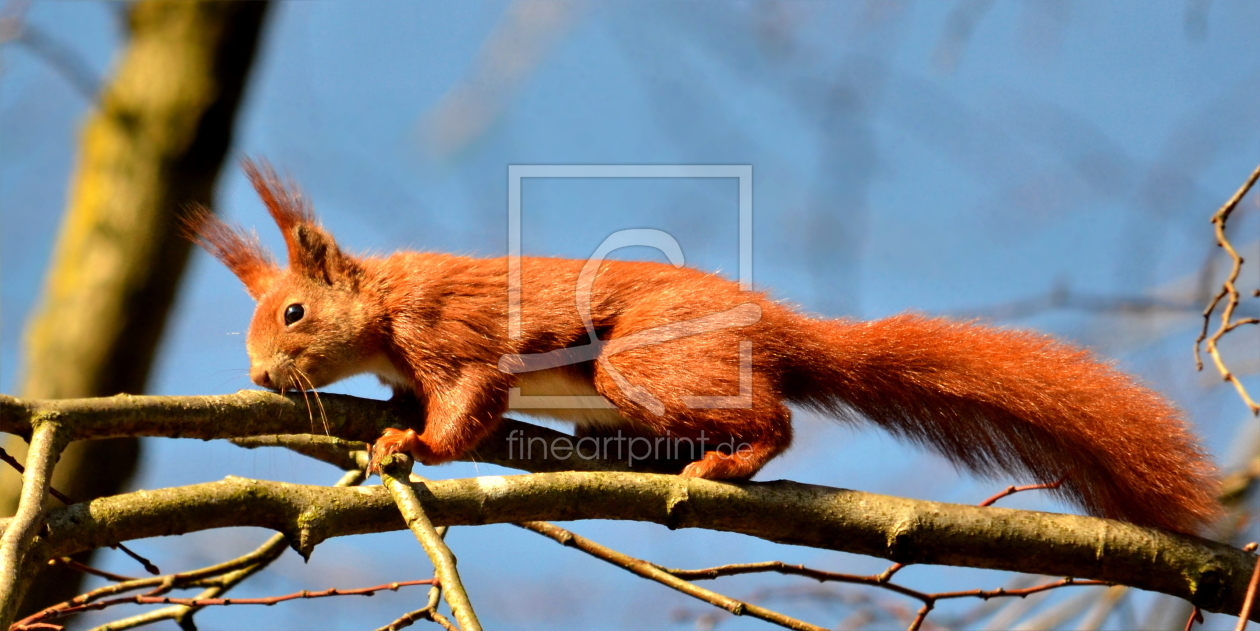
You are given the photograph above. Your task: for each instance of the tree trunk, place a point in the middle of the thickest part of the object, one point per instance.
(154, 144)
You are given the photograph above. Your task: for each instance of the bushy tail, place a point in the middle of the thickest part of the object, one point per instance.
(1000, 401)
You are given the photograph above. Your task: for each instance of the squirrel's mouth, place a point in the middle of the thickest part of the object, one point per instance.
(283, 377)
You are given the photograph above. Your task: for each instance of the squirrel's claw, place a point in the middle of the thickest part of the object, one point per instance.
(393, 441)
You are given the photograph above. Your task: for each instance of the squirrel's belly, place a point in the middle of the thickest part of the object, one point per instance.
(563, 394)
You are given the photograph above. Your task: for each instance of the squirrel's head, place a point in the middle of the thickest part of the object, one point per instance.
(311, 326)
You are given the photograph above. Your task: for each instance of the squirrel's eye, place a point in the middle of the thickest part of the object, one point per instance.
(293, 313)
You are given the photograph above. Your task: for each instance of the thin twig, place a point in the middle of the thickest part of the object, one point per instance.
(148, 565)
(182, 614)
(1245, 614)
(330, 449)
(425, 613)
(212, 602)
(662, 576)
(47, 442)
(394, 472)
(161, 584)
(220, 578)
(1230, 291)
(62, 58)
(429, 610)
(17, 466)
(1195, 616)
(884, 578)
(266, 554)
(1011, 490)
(64, 499)
(874, 580)
(87, 569)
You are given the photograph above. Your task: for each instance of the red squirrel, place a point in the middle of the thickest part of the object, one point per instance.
(682, 353)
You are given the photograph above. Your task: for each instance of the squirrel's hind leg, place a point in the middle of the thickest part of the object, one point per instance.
(741, 463)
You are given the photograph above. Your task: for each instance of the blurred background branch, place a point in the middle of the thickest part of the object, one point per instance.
(154, 144)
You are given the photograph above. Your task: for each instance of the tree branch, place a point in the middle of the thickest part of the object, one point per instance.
(652, 572)
(20, 531)
(428, 611)
(1229, 292)
(219, 578)
(394, 472)
(255, 413)
(1211, 575)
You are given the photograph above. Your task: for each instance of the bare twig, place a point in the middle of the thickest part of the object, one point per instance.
(660, 575)
(330, 449)
(1245, 614)
(1062, 297)
(63, 58)
(428, 611)
(874, 580)
(1195, 616)
(17, 466)
(1229, 293)
(145, 599)
(394, 472)
(1011, 490)
(148, 565)
(1056, 617)
(182, 614)
(161, 584)
(47, 442)
(883, 579)
(425, 613)
(64, 499)
(986, 608)
(14, 27)
(87, 569)
(887, 574)
(219, 578)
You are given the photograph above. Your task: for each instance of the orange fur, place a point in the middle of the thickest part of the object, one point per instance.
(436, 326)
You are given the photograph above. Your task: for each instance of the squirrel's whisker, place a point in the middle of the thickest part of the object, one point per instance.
(323, 415)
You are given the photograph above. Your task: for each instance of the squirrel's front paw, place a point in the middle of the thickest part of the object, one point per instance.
(395, 441)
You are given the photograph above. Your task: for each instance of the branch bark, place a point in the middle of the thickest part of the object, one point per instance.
(19, 534)
(249, 414)
(394, 472)
(1211, 575)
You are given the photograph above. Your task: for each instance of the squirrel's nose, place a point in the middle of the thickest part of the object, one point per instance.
(262, 378)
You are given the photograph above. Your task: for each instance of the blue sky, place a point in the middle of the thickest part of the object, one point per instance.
(897, 166)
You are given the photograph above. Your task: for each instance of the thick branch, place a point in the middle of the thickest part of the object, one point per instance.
(256, 413)
(1213, 576)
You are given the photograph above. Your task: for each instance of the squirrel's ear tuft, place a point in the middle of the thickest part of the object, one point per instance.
(283, 199)
(312, 251)
(239, 251)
